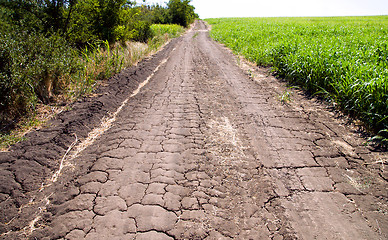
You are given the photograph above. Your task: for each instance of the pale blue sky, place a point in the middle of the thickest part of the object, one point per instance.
(283, 8)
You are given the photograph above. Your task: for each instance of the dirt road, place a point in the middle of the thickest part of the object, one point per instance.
(205, 150)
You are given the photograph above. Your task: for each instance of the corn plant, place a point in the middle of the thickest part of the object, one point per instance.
(344, 59)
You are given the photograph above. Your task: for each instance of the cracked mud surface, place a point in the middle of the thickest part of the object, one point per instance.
(203, 151)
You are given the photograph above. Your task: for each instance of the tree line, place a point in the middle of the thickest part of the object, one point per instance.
(84, 21)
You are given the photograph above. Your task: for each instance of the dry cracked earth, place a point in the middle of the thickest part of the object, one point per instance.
(189, 145)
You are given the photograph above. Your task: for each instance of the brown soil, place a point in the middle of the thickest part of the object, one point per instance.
(194, 143)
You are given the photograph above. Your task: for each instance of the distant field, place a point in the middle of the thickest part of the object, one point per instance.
(173, 30)
(343, 58)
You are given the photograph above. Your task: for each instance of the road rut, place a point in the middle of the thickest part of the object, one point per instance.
(206, 151)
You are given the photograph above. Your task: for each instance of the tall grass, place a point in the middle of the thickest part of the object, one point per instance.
(33, 68)
(163, 32)
(345, 59)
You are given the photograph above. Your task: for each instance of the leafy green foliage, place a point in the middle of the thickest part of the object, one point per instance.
(345, 59)
(178, 12)
(181, 12)
(160, 15)
(31, 67)
(86, 21)
(79, 22)
(92, 20)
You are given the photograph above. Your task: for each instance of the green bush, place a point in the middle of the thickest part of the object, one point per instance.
(31, 70)
(160, 15)
(173, 30)
(141, 31)
(133, 26)
(181, 12)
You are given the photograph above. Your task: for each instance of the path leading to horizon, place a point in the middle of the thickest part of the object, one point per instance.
(202, 150)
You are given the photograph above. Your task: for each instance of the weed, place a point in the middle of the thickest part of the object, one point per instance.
(285, 98)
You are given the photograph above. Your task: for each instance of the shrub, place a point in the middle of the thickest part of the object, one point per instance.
(141, 31)
(31, 70)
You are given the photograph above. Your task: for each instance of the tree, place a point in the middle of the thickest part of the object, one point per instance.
(39, 15)
(160, 15)
(181, 12)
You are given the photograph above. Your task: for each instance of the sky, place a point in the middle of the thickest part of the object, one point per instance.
(285, 8)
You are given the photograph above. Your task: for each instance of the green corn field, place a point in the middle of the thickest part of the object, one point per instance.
(344, 59)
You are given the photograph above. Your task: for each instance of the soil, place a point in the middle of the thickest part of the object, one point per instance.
(194, 143)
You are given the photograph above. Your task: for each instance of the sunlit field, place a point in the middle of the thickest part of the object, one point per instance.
(345, 59)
